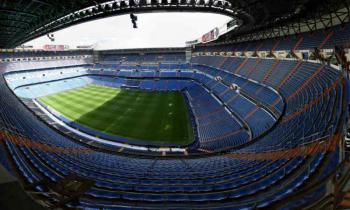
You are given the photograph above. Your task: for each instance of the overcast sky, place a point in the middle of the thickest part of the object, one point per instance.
(154, 30)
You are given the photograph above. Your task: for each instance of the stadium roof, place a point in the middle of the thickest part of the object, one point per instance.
(21, 21)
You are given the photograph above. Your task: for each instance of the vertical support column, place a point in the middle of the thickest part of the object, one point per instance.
(188, 55)
(96, 56)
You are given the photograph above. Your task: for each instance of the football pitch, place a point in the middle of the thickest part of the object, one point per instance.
(159, 117)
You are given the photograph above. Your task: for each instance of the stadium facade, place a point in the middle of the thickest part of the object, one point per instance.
(264, 107)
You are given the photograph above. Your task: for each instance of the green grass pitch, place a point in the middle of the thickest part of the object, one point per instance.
(160, 117)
